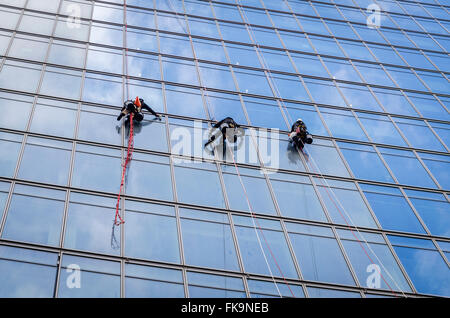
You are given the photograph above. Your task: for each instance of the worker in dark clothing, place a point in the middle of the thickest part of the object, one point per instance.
(299, 135)
(229, 130)
(136, 108)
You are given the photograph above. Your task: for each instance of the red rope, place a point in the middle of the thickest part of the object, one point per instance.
(118, 220)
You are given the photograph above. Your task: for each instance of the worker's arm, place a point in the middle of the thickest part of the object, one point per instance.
(217, 125)
(144, 105)
(121, 112)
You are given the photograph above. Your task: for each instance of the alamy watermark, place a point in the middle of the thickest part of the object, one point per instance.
(373, 20)
(249, 146)
(74, 278)
(74, 16)
(374, 278)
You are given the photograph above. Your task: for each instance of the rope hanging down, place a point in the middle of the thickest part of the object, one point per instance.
(118, 220)
(271, 80)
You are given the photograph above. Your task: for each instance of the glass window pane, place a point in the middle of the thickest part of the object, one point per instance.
(209, 50)
(54, 118)
(269, 289)
(394, 102)
(10, 105)
(214, 286)
(208, 244)
(277, 60)
(53, 157)
(343, 124)
(426, 268)
(381, 129)
(264, 113)
(106, 60)
(252, 82)
(36, 23)
(359, 97)
(216, 76)
(433, 209)
(198, 186)
(309, 65)
(365, 162)
(320, 258)
(438, 165)
(79, 31)
(418, 134)
(145, 281)
(289, 87)
(331, 293)
(142, 40)
(406, 168)
(322, 157)
(140, 18)
(20, 76)
(252, 255)
(149, 167)
(223, 105)
(184, 101)
(345, 205)
(242, 55)
(377, 252)
(35, 215)
(89, 128)
(174, 45)
(26, 273)
(180, 71)
(147, 128)
(392, 209)
(61, 83)
(428, 106)
(308, 114)
(102, 89)
(95, 279)
(306, 204)
(27, 47)
(204, 28)
(256, 190)
(324, 92)
(97, 169)
(106, 34)
(10, 145)
(150, 235)
(89, 225)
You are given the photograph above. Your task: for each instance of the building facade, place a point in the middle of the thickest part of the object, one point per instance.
(363, 212)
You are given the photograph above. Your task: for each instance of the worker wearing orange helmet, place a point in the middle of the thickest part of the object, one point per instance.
(136, 108)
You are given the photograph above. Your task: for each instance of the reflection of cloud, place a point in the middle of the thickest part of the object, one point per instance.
(105, 61)
(94, 235)
(65, 84)
(110, 35)
(147, 67)
(175, 45)
(432, 272)
(101, 91)
(171, 23)
(67, 54)
(106, 13)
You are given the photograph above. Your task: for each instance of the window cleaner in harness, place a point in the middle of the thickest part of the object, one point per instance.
(228, 129)
(135, 108)
(299, 135)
